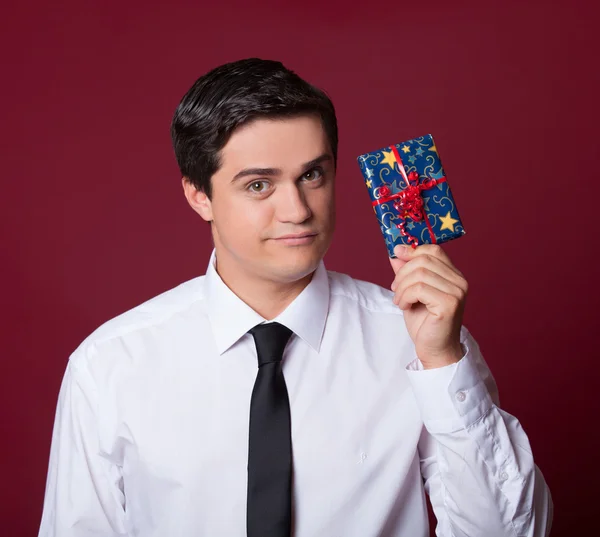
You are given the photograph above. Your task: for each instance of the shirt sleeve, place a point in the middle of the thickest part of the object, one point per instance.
(83, 496)
(475, 458)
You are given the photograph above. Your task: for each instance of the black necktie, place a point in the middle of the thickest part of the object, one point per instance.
(269, 507)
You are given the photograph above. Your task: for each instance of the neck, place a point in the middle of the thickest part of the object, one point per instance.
(268, 298)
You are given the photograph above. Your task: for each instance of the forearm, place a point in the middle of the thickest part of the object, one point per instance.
(476, 458)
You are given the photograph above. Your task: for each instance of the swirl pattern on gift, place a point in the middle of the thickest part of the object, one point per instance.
(410, 194)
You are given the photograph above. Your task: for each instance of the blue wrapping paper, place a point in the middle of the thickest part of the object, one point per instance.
(389, 190)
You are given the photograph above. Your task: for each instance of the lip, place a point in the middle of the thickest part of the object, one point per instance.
(297, 240)
(298, 236)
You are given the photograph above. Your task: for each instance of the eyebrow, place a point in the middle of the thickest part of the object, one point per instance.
(276, 171)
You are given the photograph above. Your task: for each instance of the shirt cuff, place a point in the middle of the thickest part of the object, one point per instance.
(450, 398)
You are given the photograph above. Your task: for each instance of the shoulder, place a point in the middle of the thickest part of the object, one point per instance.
(147, 316)
(364, 294)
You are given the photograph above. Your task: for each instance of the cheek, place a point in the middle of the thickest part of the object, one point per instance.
(323, 204)
(243, 218)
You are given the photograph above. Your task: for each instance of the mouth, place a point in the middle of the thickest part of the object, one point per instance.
(298, 239)
(298, 235)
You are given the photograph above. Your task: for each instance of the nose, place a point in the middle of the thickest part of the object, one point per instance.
(292, 206)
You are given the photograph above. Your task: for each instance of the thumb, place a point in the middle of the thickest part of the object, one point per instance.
(401, 252)
(396, 263)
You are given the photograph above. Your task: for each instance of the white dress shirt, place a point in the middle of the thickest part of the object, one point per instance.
(151, 430)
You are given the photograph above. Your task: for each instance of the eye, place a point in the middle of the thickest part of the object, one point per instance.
(313, 175)
(255, 187)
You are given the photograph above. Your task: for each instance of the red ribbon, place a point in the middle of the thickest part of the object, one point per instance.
(409, 202)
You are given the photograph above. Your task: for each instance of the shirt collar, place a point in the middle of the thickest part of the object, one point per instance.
(230, 317)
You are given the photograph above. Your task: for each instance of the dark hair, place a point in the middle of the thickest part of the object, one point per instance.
(233, 94)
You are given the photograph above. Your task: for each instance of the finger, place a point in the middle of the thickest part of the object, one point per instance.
(396, 263)
(424, 275)
(433, 264)
(406, 253)
(436, 301)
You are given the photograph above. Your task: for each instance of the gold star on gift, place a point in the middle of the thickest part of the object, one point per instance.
(406, 149)
(388, 158)
(448, 222)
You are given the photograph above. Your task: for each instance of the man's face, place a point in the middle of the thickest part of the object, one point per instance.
(276, 179)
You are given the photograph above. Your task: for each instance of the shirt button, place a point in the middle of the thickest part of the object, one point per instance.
(503, 476)
(461, 396)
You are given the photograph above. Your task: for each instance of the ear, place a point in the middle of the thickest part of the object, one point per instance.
(197, 199)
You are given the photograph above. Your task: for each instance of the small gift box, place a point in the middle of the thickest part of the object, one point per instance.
(410, 194)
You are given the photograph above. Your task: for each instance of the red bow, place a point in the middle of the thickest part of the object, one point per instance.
(409, 202)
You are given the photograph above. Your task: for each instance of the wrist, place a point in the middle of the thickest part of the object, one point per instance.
(449, 357)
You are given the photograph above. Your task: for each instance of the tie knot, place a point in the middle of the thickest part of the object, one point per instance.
(270, 340)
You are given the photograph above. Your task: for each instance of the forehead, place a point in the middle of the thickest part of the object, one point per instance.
(281, 143)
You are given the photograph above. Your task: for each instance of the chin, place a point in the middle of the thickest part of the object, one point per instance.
(294, 263)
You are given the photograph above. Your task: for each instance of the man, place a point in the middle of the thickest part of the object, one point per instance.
(271, 397)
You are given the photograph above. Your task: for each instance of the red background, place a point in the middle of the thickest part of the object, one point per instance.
(94, 221)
